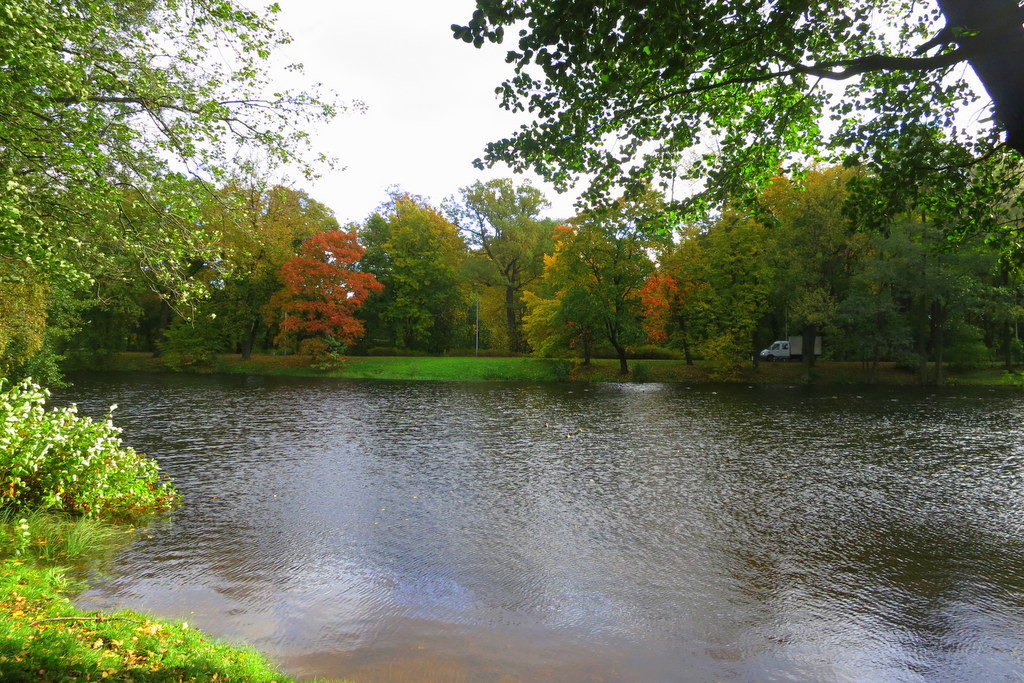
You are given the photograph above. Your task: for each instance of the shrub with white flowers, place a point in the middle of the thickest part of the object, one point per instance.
(58, 460)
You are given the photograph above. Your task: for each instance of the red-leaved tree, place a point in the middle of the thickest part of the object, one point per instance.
(669, 303)
(323, 290)
(656, 299)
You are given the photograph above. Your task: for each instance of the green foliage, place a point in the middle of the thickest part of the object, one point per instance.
(109, 115)
(547, 330)
(594, 279)
(818, 246)
(1012, 378)
(875, 321)
(192, 344)
(260, 229)
(968, 350)
(732, 261)
(727, 92)
(651, 352)
(502, 222)
(22, 317)
(327, 354)
(641, 372)
(50, 538)
(728, 352)
(58, 460)
(46, 364)
(98, 96)
(417, 254)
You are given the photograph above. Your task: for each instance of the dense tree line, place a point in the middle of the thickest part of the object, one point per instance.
(794, 263)
(415, 278)
(406, 280)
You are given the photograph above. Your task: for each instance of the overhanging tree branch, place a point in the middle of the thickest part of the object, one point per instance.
(860, 65)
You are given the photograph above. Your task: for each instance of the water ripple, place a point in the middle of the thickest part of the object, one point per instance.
(620, 532)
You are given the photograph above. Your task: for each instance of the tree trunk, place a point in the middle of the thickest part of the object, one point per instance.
(1007, 344)
(938, 339)
(612, 334)
(160, 333)
(686, 344)
(249, 340)
(516, 340)
(1006, 331)
(922, 345)
(588, 348)
(810, 333)
(621, 352)
(991, 31)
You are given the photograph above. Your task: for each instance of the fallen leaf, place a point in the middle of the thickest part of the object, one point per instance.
(149, 629)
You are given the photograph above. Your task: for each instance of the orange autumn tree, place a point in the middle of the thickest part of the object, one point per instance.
(323, 289)
(655, 297)
(668, 304)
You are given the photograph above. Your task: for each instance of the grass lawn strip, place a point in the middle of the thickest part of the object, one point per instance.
(462, 368)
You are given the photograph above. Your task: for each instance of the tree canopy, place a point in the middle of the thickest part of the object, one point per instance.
(323, 289)
(628, 91)
(99, 97)
(502, 220)
(596, 274)
(416, 253)
(118, 121)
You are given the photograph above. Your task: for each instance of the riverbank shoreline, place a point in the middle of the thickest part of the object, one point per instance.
(471, 368)
(45, 637)
(73, 495)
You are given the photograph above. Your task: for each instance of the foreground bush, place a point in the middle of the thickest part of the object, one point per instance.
(58, 460)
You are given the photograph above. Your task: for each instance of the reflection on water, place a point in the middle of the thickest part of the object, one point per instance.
(432, 531)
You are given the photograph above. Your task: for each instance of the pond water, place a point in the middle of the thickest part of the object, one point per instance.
(388, 531)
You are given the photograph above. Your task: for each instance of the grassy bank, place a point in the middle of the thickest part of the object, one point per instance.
(364, 367)
(44, 637)
(555, 370)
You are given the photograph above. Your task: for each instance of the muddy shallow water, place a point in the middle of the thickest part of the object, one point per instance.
(387, 531)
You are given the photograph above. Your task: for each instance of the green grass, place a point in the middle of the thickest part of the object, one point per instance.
(55, 538)
(44, 637)
(991, 377)
(465, 368)
(454, 368)
(462, 368)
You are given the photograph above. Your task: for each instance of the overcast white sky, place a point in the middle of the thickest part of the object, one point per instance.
(430, 99)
